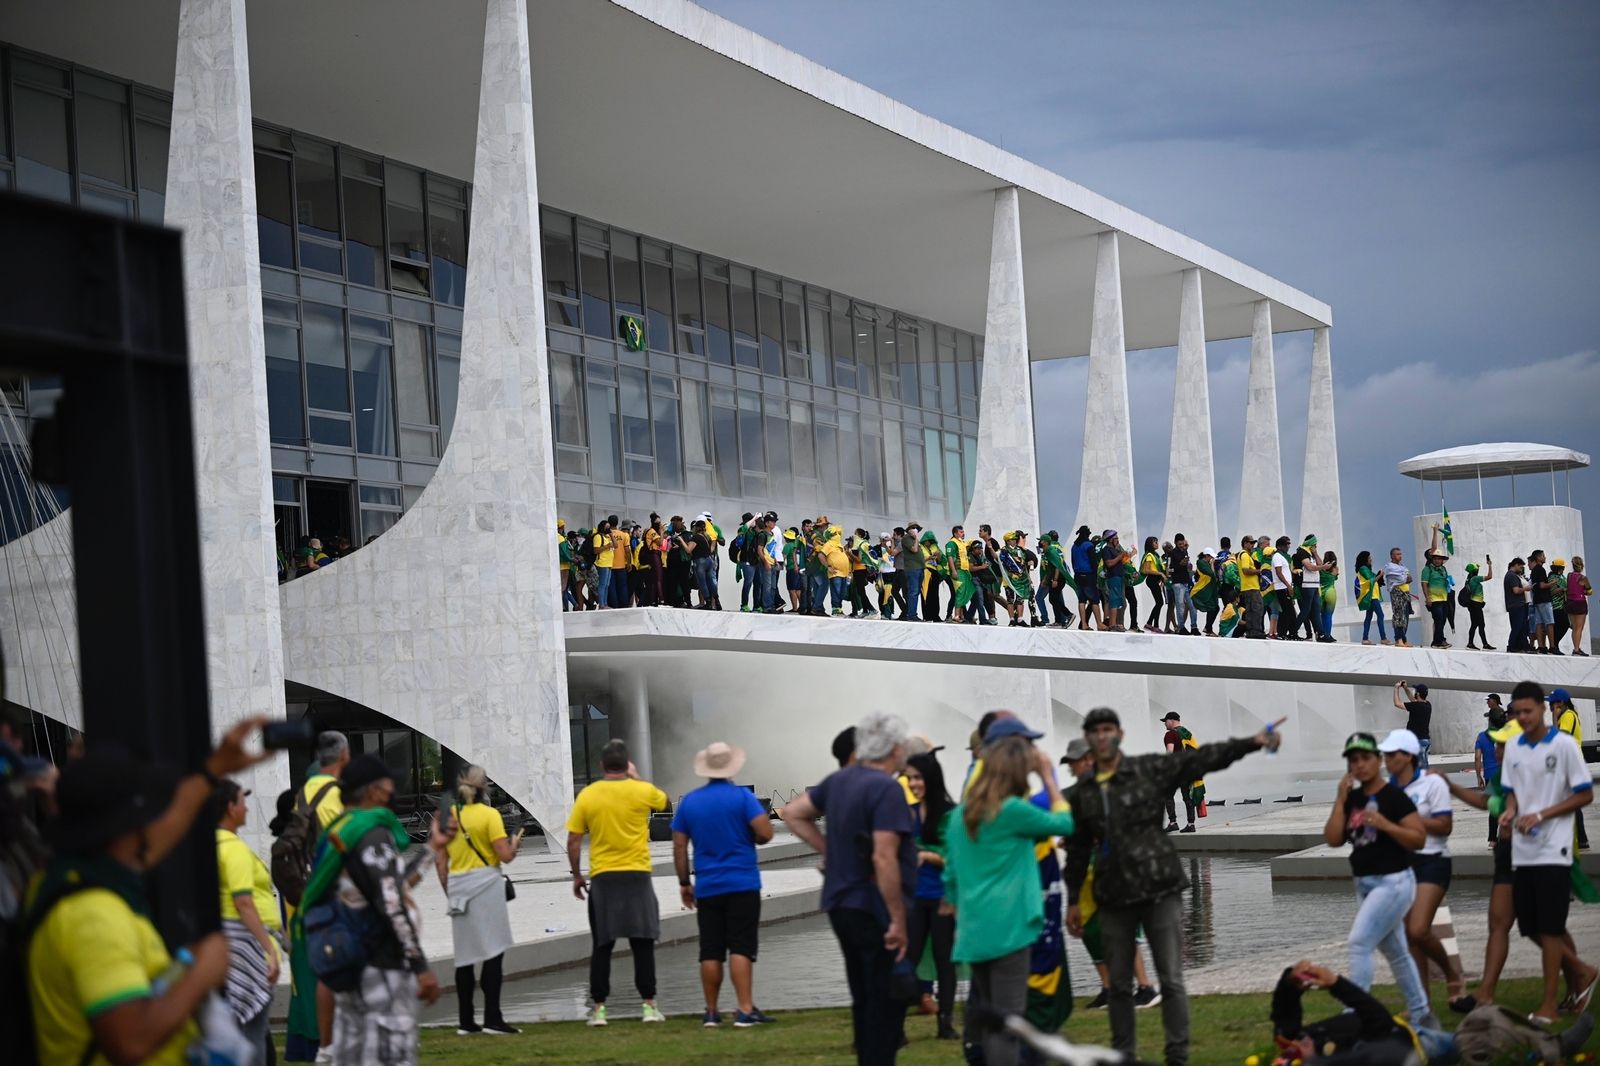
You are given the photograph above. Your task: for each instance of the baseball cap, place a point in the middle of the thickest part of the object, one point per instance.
(1108, 534)
(1010, 727)
(1401, 740)
(1360, 742)
(1422, 690)
(1172, 716)
(1558, 564)
(1560, 695)
(1077, 748)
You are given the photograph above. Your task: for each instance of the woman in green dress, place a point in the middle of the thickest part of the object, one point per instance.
(1330, 589)
(1014, 568)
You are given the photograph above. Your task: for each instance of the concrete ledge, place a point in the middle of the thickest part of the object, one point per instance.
(1322, 863)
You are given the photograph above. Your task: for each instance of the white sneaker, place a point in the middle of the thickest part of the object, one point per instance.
(652, 1014)
(597, 1017)
(324, 1054)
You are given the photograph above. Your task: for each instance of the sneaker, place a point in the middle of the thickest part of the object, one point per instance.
(760, 1017)
(652, 1013)
(711, 1020)
(1188, 828)
(499, 1028)
(597, 1017)
(741, 1020)
(469, 1029)
(324, 1054)
(1172, 827)
(1099, 1002)
(1146, 997)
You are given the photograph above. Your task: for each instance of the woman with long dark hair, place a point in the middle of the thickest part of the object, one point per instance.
(1154, 572)
(925, 778)
(1369, 597)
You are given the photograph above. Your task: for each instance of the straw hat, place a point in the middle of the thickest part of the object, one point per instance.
(718, 759)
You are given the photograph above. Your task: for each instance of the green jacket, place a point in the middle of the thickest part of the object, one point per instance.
(993, 881)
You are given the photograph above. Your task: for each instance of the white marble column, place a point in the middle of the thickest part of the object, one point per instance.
(1261, 480)
(1320, 509)
(1105, 492)
(1191, 476)
(211, 197)
(1005, 490)
(632, 709)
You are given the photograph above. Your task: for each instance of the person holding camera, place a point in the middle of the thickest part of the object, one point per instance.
(480, 925)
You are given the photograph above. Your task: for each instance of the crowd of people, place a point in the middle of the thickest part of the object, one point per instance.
(991, 870)
(1267, 588)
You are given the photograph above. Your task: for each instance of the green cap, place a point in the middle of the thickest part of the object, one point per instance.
(1360, 742)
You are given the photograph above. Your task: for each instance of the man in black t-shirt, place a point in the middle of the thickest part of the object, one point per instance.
(1515, 584)
(1419, 713)
(1542, 616)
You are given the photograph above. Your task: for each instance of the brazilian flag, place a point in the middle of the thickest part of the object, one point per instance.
(632, 330)
(1449, 535)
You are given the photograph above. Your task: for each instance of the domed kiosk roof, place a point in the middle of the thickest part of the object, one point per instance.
(1492, 460)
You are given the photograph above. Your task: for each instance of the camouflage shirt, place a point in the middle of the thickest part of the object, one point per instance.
(1119, 823)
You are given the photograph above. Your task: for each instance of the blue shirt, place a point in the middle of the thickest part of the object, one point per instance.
(860, 801)
(716, 817)
(1491, 765)
(1083, 556)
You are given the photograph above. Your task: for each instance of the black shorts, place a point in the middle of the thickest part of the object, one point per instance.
(1502, 861)
(1541, 895)
(1432, 870)
(729, 925)
(1088, 591)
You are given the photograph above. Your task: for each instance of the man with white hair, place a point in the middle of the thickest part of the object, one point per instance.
(870, 866)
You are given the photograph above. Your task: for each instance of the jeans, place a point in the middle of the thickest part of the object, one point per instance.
(1311, 611)
(877, 1021)
(766, 588)
(1375, 611)
(1440, 610)
(604, 573)
(818, 595)
(749, 575)
(840, 588)
(1163, 928)
(913, 587)
(1000, 985)
(705, 579)
(1422, 759)
(1253, 607)
(1183, 608)
(1041, 601)
(644, 969)
(620, 596)
(1381, 925)
(1519, 627)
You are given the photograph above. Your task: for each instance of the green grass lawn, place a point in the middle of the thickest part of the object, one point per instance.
(1226, 1029)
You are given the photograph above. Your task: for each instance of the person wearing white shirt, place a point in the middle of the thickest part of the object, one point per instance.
(1283, 590)
(1397, 578)
(1402, 752)
(1545, 780)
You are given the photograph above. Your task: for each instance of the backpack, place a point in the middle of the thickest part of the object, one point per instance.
(292, 851)
(1463, 599)
(339, 937)
(736, 549)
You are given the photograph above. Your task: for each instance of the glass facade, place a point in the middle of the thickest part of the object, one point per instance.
(748, 389)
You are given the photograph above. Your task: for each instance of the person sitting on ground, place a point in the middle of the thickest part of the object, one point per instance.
(94, 956)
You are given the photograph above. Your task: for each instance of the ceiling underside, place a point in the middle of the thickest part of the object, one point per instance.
(766, 159)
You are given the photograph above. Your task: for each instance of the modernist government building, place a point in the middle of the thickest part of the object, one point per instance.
(414, 235)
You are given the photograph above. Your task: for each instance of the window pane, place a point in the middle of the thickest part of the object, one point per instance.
(375, 524)
(664, 422)
(966, 379)
(695, 431)
(872, 467)
(407, 232)
(744, 306)
(152, 139)
(604, 460)
(927, 366)
(771, 309)
(916, 473)
(285, 419)
(894, 471)
(844, 360)
(382, 495)
(334, 432)
(565, 398)
(686, 277)
(326, 384)
(363, 241)
(935, 454)
(596, 292)
(102, 118)
(560, 271)
(625, 264)
(97, 199)
(725, 433)
(752, 452)
(802, 448)
(718, 343)
(952, 480)
(866, 357)
(828, 464)
(419, 443)
(449, 360)
(905, 344)
(794, 331)
(777, 432)
(413, 382)
(658, 294)
(42, 158)
(850, 448)
(947, 370)
(374, 384)
(969, 456)
(316, 195)
(636, 436)
(888, 370)
(817, 335)
(447, 240)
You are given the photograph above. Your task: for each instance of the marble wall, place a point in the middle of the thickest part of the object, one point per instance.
(1105, 491)
(451, 623)
(1261, 476)
(39, 623)
(1191, 474)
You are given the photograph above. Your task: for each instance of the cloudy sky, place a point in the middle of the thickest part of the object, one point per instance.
(1431, 170)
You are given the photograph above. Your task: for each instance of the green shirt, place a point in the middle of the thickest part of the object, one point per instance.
(993, 881)
(1437, 582)
(1475, 588)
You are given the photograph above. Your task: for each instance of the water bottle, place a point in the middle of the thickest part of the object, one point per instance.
(182, 959)
(221, 1041)
(1271, 752)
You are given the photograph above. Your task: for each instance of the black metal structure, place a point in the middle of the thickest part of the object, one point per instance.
(98, 300)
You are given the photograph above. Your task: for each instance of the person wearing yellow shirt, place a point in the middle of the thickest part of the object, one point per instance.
(249, 917)
(1567, 720)
(1250, 589)
(621, 558)
(95, 962)
(603, 550)
(614, 813)
(480, 924)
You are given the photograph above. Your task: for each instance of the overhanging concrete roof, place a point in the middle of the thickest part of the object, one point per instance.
(1492, 460)
(659, 116)
(666, 631)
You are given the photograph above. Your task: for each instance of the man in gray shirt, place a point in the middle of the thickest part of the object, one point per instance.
(908, 565)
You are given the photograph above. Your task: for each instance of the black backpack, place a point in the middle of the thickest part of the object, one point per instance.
(292, 851)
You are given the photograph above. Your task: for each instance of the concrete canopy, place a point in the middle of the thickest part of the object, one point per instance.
(1491, 460)
(658, 116)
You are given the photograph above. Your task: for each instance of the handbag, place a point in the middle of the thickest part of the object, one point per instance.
(511, 889)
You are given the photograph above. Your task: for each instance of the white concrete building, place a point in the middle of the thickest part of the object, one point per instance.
(416, 235)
